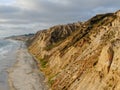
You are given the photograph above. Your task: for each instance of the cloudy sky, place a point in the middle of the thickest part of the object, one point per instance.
(27, 16)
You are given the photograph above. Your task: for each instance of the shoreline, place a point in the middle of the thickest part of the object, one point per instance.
(24, 74)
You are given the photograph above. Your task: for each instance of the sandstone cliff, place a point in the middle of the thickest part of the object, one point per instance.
(81, 56)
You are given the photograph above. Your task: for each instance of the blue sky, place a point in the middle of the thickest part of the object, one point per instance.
(27, 16)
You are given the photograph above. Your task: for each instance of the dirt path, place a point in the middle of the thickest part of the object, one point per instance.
(24, 75)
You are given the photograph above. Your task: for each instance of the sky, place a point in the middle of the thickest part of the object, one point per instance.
(28, 16)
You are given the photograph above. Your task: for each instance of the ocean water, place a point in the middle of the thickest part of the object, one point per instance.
(8, 51)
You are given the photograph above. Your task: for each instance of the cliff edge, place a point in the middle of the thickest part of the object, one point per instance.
(82, 55)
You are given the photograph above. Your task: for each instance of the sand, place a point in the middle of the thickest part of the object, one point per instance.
(24, 75)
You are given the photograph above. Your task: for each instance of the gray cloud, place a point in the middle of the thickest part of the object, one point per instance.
(24, 16)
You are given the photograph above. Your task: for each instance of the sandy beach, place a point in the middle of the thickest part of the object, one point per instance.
(24, 75)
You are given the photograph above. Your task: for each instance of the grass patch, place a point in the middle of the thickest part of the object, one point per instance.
(43, 62)
(47, 48)
(50, 82)
(51, 79)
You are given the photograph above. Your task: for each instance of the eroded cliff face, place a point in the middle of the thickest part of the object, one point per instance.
(81, 56)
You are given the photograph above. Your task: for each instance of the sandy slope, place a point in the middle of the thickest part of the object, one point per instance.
(24, 75)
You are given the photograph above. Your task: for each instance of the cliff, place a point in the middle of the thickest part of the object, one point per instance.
(80, 56)
(24, 37)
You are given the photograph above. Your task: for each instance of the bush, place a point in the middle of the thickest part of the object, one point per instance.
(49, 47)
(43, 63)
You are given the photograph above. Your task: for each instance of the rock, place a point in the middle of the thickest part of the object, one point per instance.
(81, 56)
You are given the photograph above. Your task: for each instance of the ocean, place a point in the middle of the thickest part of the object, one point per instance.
(8, 51)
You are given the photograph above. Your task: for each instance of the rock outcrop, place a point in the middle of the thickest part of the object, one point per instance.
(81, 56)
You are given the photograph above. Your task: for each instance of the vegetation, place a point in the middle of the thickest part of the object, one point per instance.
(50, 81)
(43, 62)
(79, 54)
(49, 47)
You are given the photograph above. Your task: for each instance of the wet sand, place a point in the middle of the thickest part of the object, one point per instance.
(8, 50)
(24, 75)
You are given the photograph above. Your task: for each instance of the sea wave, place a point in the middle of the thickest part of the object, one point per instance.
(8, 52)
(7, 46)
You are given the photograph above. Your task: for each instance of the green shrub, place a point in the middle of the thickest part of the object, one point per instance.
(43, 62)
(49, 47)
(50, 82)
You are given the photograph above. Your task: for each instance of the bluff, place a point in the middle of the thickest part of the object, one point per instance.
(82, 55)
(24, 37)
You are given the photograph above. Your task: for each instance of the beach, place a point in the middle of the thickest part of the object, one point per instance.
(24, 74)
(8, 52)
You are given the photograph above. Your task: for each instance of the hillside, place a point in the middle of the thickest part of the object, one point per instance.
(21, 37)
(82, 55)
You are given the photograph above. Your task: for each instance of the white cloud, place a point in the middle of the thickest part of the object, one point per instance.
(26, 4)
(24, 16)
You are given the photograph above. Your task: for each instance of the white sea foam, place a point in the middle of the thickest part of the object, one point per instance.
(8, 50)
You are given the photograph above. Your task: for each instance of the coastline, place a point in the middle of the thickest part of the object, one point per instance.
(24, 74)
